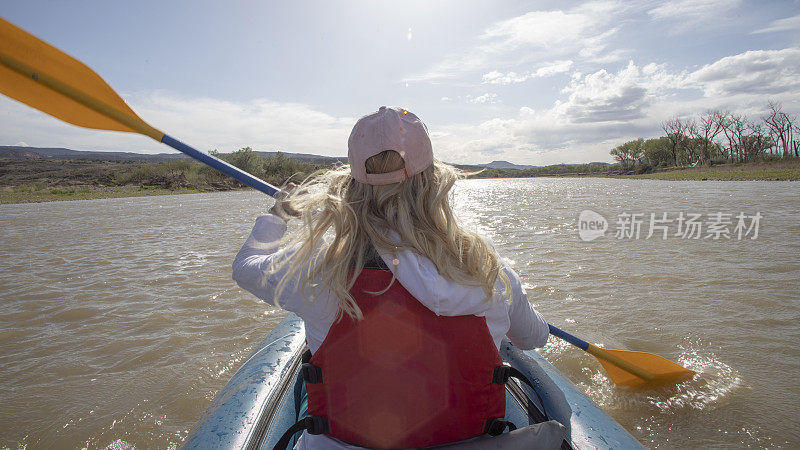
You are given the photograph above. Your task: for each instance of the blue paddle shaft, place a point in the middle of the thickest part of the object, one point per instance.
(559, 333)
(222, 166)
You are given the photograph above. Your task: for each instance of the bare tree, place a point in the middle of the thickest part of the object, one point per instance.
(690, 144)
(735, 128)
(782, 128)
(756, 141)
(722, 119)
(796, 142)
(675, 130)
(708, 126)
(779, 129)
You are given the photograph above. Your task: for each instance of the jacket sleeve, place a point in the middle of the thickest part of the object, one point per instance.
(528, 328)
(252, 269)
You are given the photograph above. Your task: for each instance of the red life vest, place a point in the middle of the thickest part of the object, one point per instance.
(404, 377)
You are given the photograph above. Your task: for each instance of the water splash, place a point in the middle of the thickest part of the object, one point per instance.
(651, 414)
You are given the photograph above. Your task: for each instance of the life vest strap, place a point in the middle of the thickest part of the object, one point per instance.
(311, 423)
(495, 427)
(503, 373)
(311, 373)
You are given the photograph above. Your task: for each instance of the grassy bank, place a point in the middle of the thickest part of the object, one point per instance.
(780, 170)
(43, 180)
(41, 193)
(767, 170)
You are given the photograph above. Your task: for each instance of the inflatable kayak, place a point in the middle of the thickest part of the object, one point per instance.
(262, 399)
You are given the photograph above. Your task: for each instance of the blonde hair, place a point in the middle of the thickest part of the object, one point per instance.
(355, 214)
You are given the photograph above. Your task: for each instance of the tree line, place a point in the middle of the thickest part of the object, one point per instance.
(272, 169)
(715, 137)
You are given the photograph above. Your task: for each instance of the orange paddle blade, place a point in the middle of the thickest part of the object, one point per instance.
(43, 77)
(663, 370)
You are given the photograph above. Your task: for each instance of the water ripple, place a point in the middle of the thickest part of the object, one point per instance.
(120, 322)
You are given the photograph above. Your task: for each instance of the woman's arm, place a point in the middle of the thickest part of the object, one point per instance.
(253, 271)
(255, 256)
(528, 328)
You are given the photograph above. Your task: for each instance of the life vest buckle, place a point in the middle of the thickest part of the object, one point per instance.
(316, 424)
(501, 374)
(311, 373)
(495, 427)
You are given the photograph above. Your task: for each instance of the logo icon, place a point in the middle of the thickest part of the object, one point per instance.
(591, 225)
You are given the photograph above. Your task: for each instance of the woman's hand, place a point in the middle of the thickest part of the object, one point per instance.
(283, 208)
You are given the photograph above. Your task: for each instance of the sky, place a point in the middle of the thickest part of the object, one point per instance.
(541, 82)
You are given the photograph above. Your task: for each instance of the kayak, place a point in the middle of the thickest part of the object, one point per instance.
(262, 399)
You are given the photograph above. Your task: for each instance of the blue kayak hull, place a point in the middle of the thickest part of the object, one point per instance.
(261, 401)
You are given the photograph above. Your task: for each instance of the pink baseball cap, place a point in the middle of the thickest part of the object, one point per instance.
(389, 128)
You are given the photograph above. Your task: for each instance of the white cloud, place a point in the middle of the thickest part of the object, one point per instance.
(686, 14)
(202, 122)
(602, 96)
(549, 69)
(533, 36)
(495, 77)
(484, 98)
(603, 109)
(786, 24)
(552, 69)
(530, 137)
(539, 29)
(757, 72)
(594, 46)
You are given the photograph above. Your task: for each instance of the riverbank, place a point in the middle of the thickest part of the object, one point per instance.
(779, 170)
(28, 180)
(39, 193)
(787, 169)
(45, 180)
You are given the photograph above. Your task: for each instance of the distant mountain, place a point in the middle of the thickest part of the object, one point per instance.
(18, 152)
(12, 151)
(505, 165)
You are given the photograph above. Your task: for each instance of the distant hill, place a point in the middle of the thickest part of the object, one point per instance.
(18, 152)
(510, 165)
(505, 165)
(12, 151)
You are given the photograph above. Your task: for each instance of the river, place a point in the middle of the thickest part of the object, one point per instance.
(119, 321)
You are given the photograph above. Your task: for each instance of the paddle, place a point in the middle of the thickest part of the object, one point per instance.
(629, 368)
(43, 77)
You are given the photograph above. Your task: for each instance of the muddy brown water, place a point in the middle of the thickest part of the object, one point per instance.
(119, 321)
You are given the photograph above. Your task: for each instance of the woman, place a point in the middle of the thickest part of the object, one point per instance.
(404, 309)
